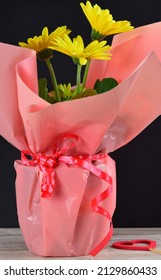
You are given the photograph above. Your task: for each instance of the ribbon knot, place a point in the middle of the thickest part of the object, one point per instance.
(48, 163)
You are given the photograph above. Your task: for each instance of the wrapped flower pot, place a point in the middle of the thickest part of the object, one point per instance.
(65, 179)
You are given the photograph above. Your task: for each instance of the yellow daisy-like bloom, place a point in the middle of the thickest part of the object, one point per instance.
(41, 43)
(79, 53)
(102, 22)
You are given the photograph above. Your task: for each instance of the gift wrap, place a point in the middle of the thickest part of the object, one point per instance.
(66, 208)
(65, 224)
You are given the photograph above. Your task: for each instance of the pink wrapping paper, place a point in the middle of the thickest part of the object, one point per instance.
(106, 121)
(64, 225)
(135, 63)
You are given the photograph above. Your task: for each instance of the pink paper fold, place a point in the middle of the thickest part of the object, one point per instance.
(27, 121)
(11, 125)
(136, 65)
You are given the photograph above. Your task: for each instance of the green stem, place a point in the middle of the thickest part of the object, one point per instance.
(78, 81)
(85, 74)
(53, 79)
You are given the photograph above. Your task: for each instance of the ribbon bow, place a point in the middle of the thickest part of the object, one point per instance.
(48, 163)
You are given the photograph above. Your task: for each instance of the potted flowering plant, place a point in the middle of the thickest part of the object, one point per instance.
(66, 181)
(44, 46)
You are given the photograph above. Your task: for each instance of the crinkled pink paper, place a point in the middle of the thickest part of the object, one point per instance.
(65, 225)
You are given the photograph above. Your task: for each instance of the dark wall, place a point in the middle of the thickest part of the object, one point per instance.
(139, 162)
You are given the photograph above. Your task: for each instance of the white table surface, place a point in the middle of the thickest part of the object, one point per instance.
(12, 245)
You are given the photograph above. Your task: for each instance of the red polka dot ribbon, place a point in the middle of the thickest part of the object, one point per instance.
(47, 165)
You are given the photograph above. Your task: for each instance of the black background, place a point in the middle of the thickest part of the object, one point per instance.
(139, 162)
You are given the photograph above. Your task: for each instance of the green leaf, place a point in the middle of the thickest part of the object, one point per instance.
(105, 85)
(85, 93)
(43, 90)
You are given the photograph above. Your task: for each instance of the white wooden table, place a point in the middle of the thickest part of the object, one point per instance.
(13, 247)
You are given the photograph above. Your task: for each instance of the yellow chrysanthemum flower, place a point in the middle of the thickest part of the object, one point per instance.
(102, 22)
(79, 53)
(41, 43)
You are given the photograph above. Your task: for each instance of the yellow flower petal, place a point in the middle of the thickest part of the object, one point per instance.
(42, 42)
(82, 61)
(102, 22)
(81, 54)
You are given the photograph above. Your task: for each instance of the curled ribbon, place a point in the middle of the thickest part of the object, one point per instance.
(48, 163)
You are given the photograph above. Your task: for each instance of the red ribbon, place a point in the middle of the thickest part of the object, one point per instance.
(48, 163)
